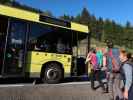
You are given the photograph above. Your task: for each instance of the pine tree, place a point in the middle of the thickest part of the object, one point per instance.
(5, 1)
(77, 18)
(85, 17)
(48, 13)
(65, 17)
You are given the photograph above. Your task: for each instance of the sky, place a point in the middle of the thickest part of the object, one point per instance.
(120, 11)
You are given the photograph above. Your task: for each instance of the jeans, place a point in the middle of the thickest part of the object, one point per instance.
(130, 94)
(115, 86)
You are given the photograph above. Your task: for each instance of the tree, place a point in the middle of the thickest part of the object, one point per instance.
(77, 18)
(128, 24)
(65, 17)
(47, 13)
(5, 1)
(128, 35)
(99, 28)
(85, 16)
(72, 18)
(92, 26)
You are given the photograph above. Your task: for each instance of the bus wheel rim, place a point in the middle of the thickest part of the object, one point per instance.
(51, 74)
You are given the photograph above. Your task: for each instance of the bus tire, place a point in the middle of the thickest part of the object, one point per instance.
(53, 73)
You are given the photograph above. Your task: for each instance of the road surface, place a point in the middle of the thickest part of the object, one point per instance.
(62, 91)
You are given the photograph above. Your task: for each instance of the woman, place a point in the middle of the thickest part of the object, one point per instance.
(127, 75)
(92, 58)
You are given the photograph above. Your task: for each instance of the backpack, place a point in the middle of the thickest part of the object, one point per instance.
(113, 60)
(122, 71)
(99, 57)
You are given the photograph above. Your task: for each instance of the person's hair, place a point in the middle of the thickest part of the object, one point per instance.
(130, 58)
(94, 50)
(129, 55)
(110, 44)
(124, 53)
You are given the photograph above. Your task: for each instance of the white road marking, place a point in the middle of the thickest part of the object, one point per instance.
(76, 83)
(8, 85)
(69, 83)
(22, 85)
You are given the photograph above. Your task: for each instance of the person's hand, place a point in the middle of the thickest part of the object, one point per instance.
(125, 94)
(104, 68)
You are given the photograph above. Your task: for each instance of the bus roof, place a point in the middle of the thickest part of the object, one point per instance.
(39, 18)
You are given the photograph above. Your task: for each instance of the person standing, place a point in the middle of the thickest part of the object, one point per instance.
(105, 70)
(127, 75)
(92, 58)
(99, 72)
(99, 55)
(114, 77)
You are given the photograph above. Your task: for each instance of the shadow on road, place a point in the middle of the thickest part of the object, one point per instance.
(38, 81)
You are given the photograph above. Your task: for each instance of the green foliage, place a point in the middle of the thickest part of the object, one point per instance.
(85, 17)
(77, 18)
(65, 17)
(47, 13)
(102, 30)
(5, 1)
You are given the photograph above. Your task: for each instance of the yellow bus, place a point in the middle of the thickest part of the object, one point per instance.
(34, 45)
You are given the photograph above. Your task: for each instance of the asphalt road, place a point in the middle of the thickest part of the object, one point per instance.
(62, 91)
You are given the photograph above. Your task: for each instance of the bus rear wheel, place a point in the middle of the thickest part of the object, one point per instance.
(53, 73)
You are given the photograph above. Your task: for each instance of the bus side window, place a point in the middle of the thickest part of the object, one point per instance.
(37, 47)
(32, 45)
(60, 46)
(68, 49)
(45, 46)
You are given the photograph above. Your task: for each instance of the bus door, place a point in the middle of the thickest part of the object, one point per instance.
(80, 49)
(3, 31)
(15, 48)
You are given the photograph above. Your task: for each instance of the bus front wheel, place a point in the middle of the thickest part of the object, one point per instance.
(53, 73)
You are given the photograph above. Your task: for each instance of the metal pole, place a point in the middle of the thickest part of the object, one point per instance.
(5, 48)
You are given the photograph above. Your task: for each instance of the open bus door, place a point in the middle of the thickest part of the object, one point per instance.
(80, 50)
(14, 52)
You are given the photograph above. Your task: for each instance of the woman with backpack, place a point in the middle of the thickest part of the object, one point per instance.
(91, 58)
(113, 71)
(126, 71)
(95, 72)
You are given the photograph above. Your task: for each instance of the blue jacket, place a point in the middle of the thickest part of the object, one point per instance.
(128, 75)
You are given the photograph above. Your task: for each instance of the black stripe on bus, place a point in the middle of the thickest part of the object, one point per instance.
(55, 21)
